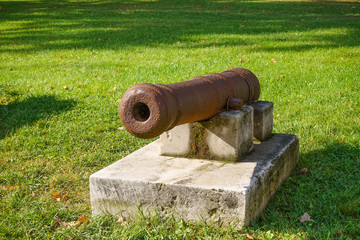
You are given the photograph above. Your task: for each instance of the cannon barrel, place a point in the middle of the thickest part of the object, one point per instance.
(147, 110)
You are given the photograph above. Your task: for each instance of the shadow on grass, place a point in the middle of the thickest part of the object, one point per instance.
(20, 113)
(329, 192)
(44, 25)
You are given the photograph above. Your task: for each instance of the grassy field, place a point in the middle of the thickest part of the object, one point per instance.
(64, 66)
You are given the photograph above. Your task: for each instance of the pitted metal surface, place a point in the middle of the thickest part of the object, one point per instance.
(147, 110)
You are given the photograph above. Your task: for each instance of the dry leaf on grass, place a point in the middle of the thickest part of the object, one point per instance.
(248, 236)
(71, 224)
(11, 187)
(123, 221)
(64, 197)
(83, 219)
(303, 171)
(56, 195)
(77, 223)
(306, 218)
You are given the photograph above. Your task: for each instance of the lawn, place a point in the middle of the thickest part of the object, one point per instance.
(64, 66)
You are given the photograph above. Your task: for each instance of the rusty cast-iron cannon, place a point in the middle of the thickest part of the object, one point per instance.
(147, 110)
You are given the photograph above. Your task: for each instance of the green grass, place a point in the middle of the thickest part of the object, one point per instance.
(64, 66)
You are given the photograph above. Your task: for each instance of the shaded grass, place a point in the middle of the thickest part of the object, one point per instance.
(65, 65)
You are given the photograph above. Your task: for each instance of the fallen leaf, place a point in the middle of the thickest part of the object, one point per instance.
(248, 236)
(303, 20)
(148, 224)
(303, 171)
(83, 219)
(306, 218)
(65, 197)
(11, 187)
(71, 224)
(122, 221)
(65, 87)
(57, 196)
(273, 60)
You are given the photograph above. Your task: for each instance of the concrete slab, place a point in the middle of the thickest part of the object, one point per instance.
(194, 189)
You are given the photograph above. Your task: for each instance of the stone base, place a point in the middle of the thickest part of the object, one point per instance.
(263, 119)
(195, 189)
(227, 136)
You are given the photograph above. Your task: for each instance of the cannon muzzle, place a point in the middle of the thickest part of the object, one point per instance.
(147, 110)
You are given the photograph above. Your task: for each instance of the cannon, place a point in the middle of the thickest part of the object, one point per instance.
(147, 110)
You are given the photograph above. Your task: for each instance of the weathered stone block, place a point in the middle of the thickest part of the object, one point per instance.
(227, 136)
(195, 189)
(263, 119)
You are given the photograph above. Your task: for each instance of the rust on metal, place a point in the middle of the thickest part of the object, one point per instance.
(234, 103)
(147, 110)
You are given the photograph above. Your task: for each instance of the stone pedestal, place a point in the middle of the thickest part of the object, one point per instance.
(227, 136)
(229, 191)
(195, 189)
(263, 119)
